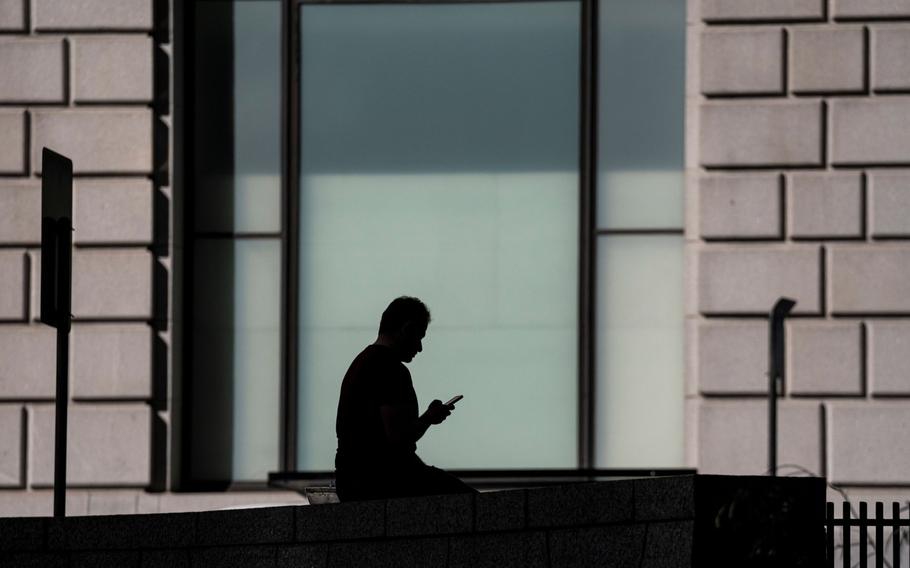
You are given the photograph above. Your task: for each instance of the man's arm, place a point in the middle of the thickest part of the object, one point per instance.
(401, 431)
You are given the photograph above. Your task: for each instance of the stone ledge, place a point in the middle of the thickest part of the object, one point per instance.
(343, 521)
(119, 532)
(22, 534)
(442, 514)
(674, 521)
(246, 526)
(664, 498)
(500, 511)
(581, 504)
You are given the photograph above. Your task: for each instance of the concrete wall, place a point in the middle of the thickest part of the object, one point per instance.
(646, 523)
(799, 133)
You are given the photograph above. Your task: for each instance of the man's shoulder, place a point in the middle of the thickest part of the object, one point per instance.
(376, 362)
(372, 356)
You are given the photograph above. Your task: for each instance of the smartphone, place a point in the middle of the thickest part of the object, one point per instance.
(454, 400)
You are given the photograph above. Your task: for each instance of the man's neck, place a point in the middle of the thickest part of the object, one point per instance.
(385, 341)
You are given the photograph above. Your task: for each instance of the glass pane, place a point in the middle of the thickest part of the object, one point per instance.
(236, 358)
(440, 160)
(639, 388)
(237, 116)
(641, 107)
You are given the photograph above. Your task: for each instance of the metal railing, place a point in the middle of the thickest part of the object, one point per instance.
(879, 539)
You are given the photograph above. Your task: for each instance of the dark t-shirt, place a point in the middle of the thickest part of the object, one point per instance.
(375, 378)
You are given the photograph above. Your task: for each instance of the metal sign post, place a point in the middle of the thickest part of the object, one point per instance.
(775, 374)
(56, 292)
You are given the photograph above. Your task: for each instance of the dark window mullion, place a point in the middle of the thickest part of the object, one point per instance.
(587, 234)
(643, 232)
(428, 2)
(235, 235)
(290, 153)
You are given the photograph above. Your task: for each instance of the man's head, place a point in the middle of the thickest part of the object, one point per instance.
(403, 325)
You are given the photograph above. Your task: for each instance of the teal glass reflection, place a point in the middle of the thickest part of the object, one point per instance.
(236, 359)
(639, 382)
(237, 113)
(439, 159)
(641, 106)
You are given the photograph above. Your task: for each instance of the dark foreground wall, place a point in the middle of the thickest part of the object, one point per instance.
(645, 523)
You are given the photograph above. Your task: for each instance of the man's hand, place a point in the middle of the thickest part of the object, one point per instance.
(437, 412)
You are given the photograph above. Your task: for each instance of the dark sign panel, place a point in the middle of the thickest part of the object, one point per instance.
(56, 237)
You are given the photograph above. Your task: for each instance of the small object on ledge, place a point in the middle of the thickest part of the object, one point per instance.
(321, 494)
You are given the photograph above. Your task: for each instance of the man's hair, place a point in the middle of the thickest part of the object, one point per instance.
(402, 310)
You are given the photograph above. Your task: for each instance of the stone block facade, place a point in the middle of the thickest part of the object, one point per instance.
(84, 79)
(834, 133)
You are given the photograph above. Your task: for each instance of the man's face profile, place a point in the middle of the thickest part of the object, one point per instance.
(410, 340)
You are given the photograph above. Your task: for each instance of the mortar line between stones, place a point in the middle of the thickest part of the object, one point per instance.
(644, 544)
(23, 450)
(27, 141)
(864, 360)
(864, 205)
(867, 61)
(27, 286)
(785, 64)
(823, 442)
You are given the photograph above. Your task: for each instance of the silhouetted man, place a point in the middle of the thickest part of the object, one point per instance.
(378, 423)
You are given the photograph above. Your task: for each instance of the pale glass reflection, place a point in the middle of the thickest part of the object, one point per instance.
(641, 113)
(640, 199)
(639, 389)
(257, 116)
(257, 297)
(493, 255)
(257, 204)
(236, 358)
(237, 116)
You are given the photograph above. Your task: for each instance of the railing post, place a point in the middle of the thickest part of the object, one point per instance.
(895, 535)
(879, 534)
(775, 373)
(829, 535)
(863, 535)
(846, 533)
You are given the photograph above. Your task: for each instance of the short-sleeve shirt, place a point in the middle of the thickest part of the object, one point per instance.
(375, 378)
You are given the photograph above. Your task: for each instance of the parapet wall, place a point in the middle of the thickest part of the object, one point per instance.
(648, 523)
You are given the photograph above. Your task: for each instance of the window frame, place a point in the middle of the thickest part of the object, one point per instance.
(588, 233)
(587, 170)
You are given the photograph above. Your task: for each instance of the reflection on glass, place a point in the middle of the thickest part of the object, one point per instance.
(236, 358)
(237, 116)
(439, 159)
(639, 388)
(641, 109)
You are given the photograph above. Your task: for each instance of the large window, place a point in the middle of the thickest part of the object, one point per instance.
(446, 151)
(439, 159)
